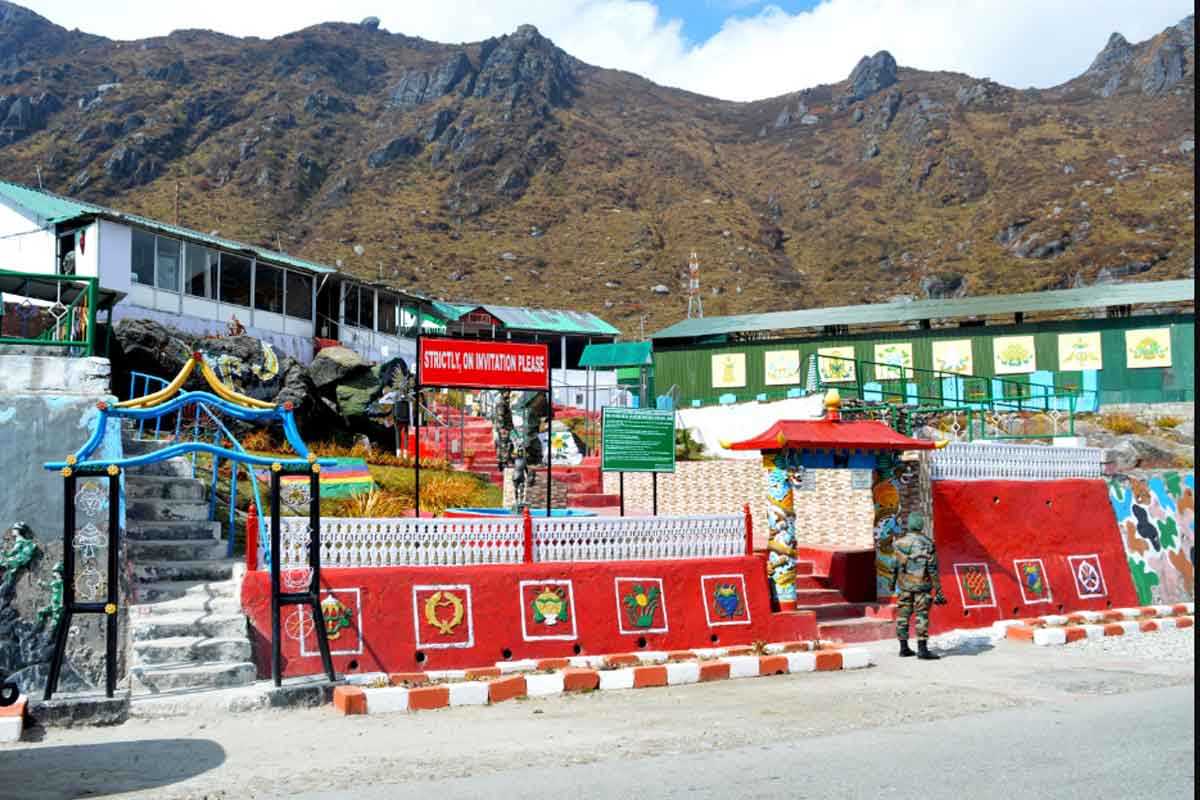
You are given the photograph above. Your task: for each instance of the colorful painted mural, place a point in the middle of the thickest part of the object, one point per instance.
(836, 364)
(1157, 520)
(885, 491)
(899, 355)
(1014, 355)
(783, 473)
(953, 355)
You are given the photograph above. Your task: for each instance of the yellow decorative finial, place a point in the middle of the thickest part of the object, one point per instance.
(833, 400)
(312, 457)
(781, 439)
(316, 468)
(66, 472)
(724, 443)
(276, 467)
(71, 460)
(114, 470)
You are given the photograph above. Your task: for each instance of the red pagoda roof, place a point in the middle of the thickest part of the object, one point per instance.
(832, 435)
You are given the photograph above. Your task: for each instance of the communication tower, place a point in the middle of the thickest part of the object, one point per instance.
(695, 301)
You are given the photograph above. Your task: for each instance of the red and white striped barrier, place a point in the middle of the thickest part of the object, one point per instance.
(1061, 629)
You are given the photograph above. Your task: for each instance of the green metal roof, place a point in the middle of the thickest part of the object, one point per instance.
(538, 320)
(618, 354)
(1116, 294)
(50, 209)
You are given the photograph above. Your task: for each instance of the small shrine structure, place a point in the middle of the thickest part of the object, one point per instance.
(791, 446)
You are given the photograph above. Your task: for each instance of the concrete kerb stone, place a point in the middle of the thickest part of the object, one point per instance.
(12, 720)
(69, 711)
(634, 675)
(1062, 634)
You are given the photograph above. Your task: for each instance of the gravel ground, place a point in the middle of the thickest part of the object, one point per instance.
(1174, 646)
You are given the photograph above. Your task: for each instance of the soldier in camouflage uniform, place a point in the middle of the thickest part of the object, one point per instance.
(916, 577)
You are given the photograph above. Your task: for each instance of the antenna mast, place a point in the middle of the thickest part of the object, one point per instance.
(695, 301)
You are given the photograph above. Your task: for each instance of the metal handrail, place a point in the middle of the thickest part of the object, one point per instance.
(79, 315)
(147, 382)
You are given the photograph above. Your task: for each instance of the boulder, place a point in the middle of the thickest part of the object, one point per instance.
(872, 74)
(332, 364)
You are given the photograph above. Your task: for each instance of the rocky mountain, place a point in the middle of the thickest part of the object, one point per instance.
(509, 170)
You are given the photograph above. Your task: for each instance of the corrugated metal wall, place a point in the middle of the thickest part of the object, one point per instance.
(690, 366)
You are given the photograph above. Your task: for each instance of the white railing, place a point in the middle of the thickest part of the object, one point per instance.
(987, 461)
(408, 542)
(405, 542)
(636, 538)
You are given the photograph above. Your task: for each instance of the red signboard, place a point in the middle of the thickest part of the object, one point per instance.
(484, 365)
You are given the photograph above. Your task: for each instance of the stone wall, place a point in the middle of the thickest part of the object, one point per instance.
(47, 410)
(535, 493)
(830, 512)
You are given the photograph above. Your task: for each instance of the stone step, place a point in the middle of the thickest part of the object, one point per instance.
(175, 549)
(819, 596)
(812, 582)
(173, 530)
(133, 446)
(185, 595)
(163, 486)
(160, 509)
(188, 623)
(804, 568)
(206, 570)
(178, 467)
(198, 675)
(836, 610)
(861, 629)
(182, 649)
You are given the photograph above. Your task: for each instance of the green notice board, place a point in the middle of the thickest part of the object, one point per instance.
(638, 440)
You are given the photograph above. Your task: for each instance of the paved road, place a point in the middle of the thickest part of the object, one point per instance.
(1137, 745)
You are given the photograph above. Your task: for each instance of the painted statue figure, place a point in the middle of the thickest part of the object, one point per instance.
(522, 478)
(918, 585)
(502, 425)
(19, 552)
(782, 473)
(54, 610)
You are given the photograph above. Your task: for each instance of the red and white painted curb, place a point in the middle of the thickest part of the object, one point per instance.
(508, 680)
(12, 720)
(1060, 629)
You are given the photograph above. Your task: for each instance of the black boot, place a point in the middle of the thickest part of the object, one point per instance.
(905, 650)
(923, 651)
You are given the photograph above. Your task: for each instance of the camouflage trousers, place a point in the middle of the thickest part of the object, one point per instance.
(909, 604)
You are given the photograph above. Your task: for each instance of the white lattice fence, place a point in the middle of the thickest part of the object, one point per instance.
(405, 542)
(635, 538)
(986, 461)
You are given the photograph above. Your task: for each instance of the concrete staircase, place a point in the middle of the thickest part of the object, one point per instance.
(187, 627)
(837, 618)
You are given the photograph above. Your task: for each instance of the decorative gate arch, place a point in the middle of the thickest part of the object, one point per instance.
(171, 399)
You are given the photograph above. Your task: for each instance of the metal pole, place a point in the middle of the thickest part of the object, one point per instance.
(654, 493)
(621, 489)
(110, 606)
(314, 561)
(416, 416)
(276, 651)
(549, 435)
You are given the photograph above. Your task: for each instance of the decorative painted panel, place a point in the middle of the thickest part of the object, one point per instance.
(1014, 355)
(953, 355)
(1149, 347)
(1080, 351)
(781, 367)
(729, 370)
(897, 354)
(836, 364)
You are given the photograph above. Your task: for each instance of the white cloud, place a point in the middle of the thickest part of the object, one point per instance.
(1017, 42)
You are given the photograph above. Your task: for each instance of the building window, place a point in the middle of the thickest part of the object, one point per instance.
(350, 315)
(366, 308)
(387, 312)
(166, 269)
(66, 254)
(200, 271)
(299, 295)
(142, 260)
(235, 280)
(268, 289)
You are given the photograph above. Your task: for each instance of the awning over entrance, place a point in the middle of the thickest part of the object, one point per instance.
(825, 434)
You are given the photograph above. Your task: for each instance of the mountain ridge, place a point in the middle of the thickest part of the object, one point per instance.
(507, 169)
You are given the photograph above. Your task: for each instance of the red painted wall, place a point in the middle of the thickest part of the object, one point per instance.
(384, 613)
(1054, 527)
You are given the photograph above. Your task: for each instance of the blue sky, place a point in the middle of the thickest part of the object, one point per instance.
(732, 49)
(703, 19)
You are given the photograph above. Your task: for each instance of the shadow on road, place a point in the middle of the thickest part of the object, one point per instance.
(85, 770)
